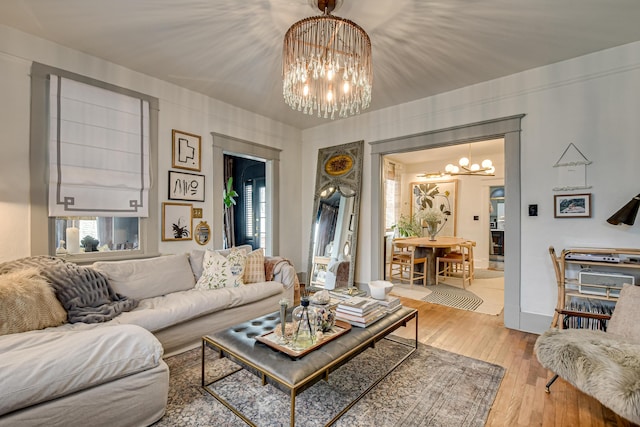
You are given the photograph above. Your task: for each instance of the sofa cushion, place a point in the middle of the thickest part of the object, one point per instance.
(28, 302)
(196, 258)
(37, 366)
(220, 272)
(147, 278)
(158, 313)
(84, 293)
(254, 267)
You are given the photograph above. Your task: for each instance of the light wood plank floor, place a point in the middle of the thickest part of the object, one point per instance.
(521, 399)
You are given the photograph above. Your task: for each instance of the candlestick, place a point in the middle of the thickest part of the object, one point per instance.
(73, 240)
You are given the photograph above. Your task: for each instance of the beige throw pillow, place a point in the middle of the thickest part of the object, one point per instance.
(254, 267)
(28, 302)
(220, 272)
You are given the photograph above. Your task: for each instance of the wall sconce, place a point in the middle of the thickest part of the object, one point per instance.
(626, 214)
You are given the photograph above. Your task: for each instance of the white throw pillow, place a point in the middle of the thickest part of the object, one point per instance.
(254, 267)
(220, 272)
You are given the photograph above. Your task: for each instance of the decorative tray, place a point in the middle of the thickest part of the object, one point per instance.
(272, 340)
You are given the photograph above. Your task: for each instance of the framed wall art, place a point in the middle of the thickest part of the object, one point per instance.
(572, 205)
(185, 150)
(186, 186)
(176, 221)
(440, 195)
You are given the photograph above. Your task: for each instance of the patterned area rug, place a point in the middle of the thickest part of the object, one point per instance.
(433, 387)
(453, 297)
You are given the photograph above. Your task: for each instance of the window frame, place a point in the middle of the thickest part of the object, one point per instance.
(41, 223)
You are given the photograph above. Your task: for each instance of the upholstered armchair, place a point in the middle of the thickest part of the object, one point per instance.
(604, 365)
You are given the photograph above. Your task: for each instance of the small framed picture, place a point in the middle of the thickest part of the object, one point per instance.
(572, 205)
(186, 186)
(186, 150)
(176, 221)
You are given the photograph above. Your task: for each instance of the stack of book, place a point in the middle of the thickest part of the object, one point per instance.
(390, 303)
(360, 311)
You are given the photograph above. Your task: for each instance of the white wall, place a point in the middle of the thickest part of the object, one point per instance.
(179, 109)
(591, 101)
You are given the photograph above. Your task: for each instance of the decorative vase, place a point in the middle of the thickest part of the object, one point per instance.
(432, 229)
(325, 317)
(305, 320)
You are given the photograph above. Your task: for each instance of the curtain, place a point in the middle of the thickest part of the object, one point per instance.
(98, 151)
(326, 227)
(229, 225)
(392, 180)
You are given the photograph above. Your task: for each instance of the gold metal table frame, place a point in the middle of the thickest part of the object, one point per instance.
(394, 321)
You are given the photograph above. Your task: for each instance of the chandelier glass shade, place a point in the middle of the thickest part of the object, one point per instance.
(326, 66)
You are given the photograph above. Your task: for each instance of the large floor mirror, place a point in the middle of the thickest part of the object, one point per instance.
(336, 209)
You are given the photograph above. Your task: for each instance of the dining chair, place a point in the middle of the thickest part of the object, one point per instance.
(403, 264)
(459, 262)
(456, 253)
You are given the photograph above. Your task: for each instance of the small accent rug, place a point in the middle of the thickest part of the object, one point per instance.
(453, 297)
(432, 387)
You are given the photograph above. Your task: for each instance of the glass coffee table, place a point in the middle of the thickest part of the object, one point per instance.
(239, 344)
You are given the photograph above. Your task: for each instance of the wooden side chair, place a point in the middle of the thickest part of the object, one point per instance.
(403, 265)
(459, 262)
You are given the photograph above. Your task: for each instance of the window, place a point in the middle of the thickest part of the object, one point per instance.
(391, 194)
(94, 140)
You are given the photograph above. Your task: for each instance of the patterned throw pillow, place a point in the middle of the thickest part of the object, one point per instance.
(220, 272)
(254, 267)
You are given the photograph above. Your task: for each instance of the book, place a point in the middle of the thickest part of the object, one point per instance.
(345, 315)
(394, 308)
(389, 301)
(376, 315)
(358, 305)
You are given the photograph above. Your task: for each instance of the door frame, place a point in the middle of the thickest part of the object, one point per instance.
(223, 144)
(508, 128)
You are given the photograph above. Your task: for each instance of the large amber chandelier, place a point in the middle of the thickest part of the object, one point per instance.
(326, 65)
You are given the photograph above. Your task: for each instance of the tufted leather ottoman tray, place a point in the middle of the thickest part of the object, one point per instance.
(294, 375)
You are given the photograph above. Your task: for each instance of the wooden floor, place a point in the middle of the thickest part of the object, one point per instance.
(521, 399)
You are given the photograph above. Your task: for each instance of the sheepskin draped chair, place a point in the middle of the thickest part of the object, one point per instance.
(604, 365)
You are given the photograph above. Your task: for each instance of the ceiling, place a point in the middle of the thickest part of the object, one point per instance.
(231, 50)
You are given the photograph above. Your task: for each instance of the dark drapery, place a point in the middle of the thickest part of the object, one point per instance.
(326, 227)
(229, 226)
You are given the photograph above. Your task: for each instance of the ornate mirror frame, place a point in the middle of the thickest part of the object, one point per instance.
(202, 233)
(339, 170)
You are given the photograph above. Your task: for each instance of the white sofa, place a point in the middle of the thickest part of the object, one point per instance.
(112, 373)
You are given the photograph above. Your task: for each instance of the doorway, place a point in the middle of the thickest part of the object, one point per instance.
(249, 213)
(496, 227)
(508, 128)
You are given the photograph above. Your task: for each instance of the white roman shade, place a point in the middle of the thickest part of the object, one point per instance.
(98, 151)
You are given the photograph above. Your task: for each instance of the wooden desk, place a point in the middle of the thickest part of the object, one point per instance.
(431, 246)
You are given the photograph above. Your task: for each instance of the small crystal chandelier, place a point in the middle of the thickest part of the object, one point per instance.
(468, 168)
(326, 65)
(465, 167)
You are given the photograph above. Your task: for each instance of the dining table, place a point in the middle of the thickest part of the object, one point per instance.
(432, 248)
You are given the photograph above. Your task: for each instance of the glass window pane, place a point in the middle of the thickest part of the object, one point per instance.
(96, 234)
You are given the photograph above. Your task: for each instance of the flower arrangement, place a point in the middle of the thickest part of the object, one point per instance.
(432, 215)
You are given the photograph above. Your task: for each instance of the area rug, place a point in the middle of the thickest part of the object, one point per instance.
(488, 286)
(432, 387)
(453, 297)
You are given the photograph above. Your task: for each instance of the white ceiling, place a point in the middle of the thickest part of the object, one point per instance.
(231, 49)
